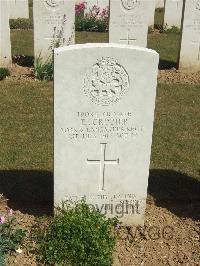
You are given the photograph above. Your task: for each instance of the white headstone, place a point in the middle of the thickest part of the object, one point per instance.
(173, 13)
(129, 21)
(160, 3)
(18, 9)
(103, 4)
(152, 12)
(190, 44)
(103, 122)
(5, 44)
(53, 26)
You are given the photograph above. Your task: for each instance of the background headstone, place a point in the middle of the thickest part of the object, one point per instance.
(5, 44)
(152, 12)
(190, 44)
(160, 3)
(129, 21)
(18, 9)
(103, 4)
(53, 26)
(173, 13)
(103, 122)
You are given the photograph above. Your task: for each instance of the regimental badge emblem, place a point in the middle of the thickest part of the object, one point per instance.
(130, 4)
(106, 82)
(52, 4)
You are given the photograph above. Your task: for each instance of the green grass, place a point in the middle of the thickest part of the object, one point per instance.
(159, 17)
(27, 127)
(31, 13)
(27, 114)
(91, 37)
(22, 42)
(30, 112)
(175, 139)
(166, 45)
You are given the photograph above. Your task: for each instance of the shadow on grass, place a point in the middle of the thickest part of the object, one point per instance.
(31, 191)
(165, 64)
(177, 192)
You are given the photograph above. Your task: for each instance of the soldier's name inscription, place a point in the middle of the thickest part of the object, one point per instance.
(103, 125)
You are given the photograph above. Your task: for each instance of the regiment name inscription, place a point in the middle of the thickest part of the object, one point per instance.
(103, 125)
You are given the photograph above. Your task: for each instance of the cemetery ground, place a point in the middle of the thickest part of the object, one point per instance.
(171, 232)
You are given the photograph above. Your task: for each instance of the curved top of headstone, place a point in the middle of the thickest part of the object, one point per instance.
(104, 45)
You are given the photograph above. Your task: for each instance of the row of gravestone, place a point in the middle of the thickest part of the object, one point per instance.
(54, 26)
(104, 99)
(172, 10)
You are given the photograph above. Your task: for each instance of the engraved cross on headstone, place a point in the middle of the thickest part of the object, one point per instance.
(128, 39)
(198, 43)
(103, 162)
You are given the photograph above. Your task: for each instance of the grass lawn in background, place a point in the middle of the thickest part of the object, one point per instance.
(159, 17)
(22, 42)
(26, 125)
(166, 44)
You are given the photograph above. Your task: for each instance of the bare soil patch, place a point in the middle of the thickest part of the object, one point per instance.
(21, 73)
(172, 76)
(166, 239)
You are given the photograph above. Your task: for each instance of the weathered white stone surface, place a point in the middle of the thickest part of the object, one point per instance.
(173, 13)
(129, 21)
(53, 25)
(190, 43)
(103, 3)
(104, 97)
(160, 3)
(18, 9)
(152, 12)
(5, 44)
